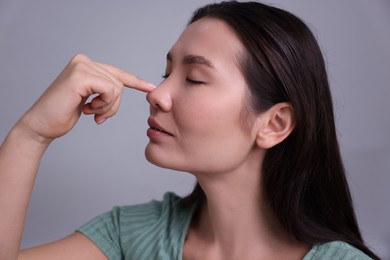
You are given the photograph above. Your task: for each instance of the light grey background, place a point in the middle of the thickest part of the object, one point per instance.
(95, 167)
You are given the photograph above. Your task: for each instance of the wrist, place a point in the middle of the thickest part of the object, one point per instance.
(24, 133)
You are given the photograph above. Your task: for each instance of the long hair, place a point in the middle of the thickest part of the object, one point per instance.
(304, 178)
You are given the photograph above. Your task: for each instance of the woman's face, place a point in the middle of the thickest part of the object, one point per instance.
(197, 113)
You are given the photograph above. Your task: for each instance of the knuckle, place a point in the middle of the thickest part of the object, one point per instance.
(112, 111)
(79, 58)
(117, 90)
(79, 63)
(100, 110)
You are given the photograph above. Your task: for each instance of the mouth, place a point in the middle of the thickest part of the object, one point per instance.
(160, 130)
(156, 129)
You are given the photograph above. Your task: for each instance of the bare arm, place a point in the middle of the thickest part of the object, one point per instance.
(53, 115)
(19, 160)
(75, 246)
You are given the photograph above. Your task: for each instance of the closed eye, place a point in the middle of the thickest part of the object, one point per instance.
(189, 80)
(192, 81)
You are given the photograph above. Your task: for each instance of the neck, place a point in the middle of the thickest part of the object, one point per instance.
(237, 218)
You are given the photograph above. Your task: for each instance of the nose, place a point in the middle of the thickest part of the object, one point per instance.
(160, 98)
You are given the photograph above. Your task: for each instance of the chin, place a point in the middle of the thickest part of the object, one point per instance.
(155, 159)
(161, 159)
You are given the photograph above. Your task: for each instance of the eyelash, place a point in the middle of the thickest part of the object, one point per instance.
(191, 81)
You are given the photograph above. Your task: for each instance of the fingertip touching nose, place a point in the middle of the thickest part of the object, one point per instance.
(160, 98)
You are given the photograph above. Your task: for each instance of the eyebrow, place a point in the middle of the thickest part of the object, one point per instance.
(194, 59)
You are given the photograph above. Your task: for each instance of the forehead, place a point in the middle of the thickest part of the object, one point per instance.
(211, 38)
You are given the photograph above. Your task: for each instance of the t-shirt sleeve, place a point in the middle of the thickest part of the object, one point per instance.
(104, 232)
(152, 230)
(336, 250)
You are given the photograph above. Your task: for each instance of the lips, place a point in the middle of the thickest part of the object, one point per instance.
(155, 126)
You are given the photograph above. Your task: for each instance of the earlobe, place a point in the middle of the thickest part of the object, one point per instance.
(278, 123)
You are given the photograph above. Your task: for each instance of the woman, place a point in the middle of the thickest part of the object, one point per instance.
(245, 107)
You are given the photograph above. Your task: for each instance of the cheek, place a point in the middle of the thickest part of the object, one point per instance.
(203, 117)
(211, 133)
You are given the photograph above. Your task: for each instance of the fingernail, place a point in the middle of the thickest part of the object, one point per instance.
(151, 85)
(102, 120)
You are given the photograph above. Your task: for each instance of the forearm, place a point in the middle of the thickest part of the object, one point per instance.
(53, 115)
(20, 156)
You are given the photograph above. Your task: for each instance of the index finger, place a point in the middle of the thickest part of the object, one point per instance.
(129, 80)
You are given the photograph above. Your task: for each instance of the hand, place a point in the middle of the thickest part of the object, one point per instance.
(60, 106)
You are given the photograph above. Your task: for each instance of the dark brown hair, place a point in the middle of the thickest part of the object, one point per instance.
(304, 178)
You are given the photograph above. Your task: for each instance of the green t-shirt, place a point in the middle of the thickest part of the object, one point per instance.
(156, 230)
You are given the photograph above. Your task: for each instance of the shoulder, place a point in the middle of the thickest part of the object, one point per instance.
(150, 230)
(151, 211)
(335, 250)
(141, 216)
(144, 212)
(155, 209)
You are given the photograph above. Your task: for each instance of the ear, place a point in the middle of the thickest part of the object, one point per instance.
(276, 125)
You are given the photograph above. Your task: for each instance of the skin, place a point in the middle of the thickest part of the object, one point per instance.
(201, 105)
(205, 116)
(214, 139)
(33, 133)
